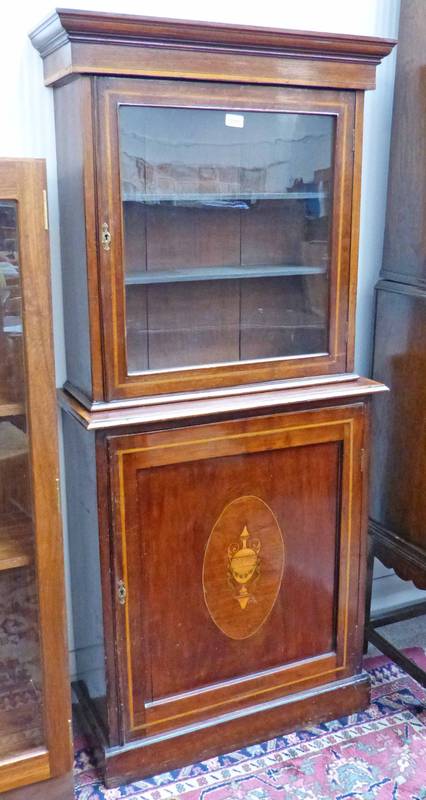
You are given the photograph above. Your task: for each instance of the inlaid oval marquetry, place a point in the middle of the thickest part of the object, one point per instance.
(243, 567)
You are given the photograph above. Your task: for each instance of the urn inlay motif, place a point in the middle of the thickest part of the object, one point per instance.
(243, 567)
(244, 564)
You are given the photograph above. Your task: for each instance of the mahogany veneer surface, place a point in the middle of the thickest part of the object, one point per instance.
(216, 438)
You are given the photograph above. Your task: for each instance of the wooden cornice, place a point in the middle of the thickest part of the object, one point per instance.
(90, 26)
(71, 32)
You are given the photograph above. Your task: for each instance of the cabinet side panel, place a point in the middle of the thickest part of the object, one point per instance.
(398, 499)
(80, 468)
(70, 154)
(404, 254)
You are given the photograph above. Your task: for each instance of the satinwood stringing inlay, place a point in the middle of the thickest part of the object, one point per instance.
(243, 567)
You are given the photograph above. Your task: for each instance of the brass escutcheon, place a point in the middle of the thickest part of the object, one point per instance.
(106, 236)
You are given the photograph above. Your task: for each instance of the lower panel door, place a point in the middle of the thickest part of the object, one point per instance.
(237, 553)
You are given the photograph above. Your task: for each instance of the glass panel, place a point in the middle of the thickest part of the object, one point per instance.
(226, 234)
(20, 668)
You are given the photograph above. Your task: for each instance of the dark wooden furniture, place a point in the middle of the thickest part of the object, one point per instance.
(35, 740)
(398, 503)
(216, 435)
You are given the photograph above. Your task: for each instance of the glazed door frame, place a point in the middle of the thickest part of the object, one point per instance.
(112, 92)
(129, 454)
(24, 181)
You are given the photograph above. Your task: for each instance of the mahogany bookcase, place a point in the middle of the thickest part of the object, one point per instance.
(216, 434)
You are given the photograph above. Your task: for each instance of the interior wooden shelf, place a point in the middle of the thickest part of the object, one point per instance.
(8, 408)
(301, 320)
(218, 273)
(216, 199)
(16, 548)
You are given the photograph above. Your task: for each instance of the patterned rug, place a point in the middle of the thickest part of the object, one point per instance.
(379, 754)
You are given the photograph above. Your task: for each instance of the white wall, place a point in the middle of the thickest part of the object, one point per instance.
(27, 127)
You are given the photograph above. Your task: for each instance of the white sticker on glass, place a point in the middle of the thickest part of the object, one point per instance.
(234, 120)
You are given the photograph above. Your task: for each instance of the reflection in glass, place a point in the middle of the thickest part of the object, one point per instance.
(226, 234)
(20, 673)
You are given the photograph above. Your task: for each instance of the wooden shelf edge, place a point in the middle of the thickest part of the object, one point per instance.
(16, 548)
(153, 277)
(181, 408)
(16, 561)
(10, 408)
(203, 200)
(30, 767)
(197, 394)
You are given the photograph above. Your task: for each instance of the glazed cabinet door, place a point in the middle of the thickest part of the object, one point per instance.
(237, 552)
(34, 697)
(224, 225)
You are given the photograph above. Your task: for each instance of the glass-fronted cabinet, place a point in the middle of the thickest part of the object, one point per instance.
(226, 234)
(225, 223)
(21, 725)
(209, 186)
(32, 635)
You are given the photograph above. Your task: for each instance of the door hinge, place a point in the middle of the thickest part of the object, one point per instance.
(363, 459)
(105, 236)
(45, 211)
(353, 139)
(58, 494)
(122, 593)
(71, 734)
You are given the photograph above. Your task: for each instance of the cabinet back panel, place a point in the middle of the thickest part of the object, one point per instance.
(192, 237)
